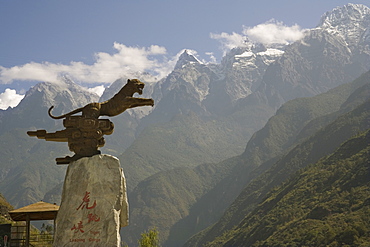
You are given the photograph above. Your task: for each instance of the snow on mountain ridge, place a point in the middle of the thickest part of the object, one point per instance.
(345, 13)
(244, 66)
(52, 93)
(186, 58)
(350, 21)
(252, 54)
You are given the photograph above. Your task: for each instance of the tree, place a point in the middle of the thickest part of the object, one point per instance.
(149, 239)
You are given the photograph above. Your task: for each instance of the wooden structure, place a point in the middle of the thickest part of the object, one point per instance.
(37, 211)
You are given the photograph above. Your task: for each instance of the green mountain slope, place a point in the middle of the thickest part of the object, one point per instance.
(24, 179)
(322, 143)
(325, 204)
(164, 198)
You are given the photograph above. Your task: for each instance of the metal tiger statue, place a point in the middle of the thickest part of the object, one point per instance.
(84, 133)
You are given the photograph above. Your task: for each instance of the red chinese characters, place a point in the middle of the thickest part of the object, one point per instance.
(93, 217)
(78, 228)
(85, 202)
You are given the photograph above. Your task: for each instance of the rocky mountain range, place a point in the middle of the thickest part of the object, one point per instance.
(188, 159)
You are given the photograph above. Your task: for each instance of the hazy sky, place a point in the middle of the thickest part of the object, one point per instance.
(91, 40)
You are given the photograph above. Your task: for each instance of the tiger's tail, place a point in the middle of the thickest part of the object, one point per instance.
(65, 115)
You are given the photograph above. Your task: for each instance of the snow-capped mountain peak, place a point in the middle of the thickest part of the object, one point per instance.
(349, 21)
(65, 92)
(341, 15)
(186, 58)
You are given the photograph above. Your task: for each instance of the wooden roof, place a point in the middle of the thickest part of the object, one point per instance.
(37, 211)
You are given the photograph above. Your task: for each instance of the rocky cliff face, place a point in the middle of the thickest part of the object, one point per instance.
(351, 22)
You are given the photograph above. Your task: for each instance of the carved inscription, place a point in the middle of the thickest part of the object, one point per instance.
(90, 219)
(85, 202)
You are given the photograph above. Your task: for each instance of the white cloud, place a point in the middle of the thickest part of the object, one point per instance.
(274, 32)
(9, 98)
(271, 32)
(229, 41)
(211, 57)
(126, 61)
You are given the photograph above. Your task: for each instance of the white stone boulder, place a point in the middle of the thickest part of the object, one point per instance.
(94, 203)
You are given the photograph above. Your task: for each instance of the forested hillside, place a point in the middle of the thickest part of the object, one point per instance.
(316, 138)
(324, 204)
(5, 207)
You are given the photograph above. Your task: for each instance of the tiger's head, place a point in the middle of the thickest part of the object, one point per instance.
(132, 86)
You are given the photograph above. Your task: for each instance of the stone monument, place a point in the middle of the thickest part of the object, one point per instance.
(94, 203)
(94, 200)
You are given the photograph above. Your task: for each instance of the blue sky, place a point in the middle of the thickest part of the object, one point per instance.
(88, 35)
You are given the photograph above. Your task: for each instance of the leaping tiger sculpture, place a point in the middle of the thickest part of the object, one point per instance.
(120, 102)
(84, 133)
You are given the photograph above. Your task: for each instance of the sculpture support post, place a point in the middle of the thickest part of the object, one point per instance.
(94, 203)
(28, 226)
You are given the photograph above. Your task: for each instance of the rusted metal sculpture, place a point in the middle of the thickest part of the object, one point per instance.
(84, 133)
